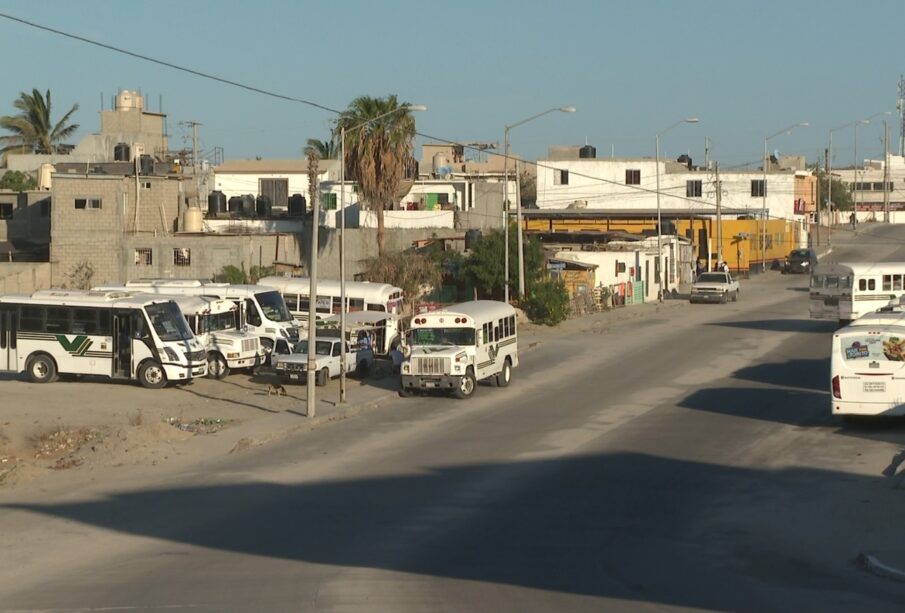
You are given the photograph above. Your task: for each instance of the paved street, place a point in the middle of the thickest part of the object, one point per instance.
(683, 461)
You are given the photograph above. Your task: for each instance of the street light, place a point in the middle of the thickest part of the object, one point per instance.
(342, 244)
(855, 159)
(763, 212)
(659, 231)
(518, 205)
(829, 175)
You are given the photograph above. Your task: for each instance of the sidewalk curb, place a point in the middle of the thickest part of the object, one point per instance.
(871, 564)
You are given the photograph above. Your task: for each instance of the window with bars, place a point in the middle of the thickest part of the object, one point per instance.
(6, 210)
(693, 189)
(633, 176)
(143, 256)
(88, 203)
(560, 177)
(182, 257)
(758, 188)
(328, 201)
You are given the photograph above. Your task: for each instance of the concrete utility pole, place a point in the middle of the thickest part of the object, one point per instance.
(719, 216)
(885, 171)
(311, 407)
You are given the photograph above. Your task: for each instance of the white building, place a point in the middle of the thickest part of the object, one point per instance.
(870, 196)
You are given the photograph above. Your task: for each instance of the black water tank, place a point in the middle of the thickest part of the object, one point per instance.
(248, 206)
(216, 203)
(297, 205)
(685, 159)
(263, 206)
(121, 152)
(146, 165)
(472, 237)
(235, 205)
(587, 152)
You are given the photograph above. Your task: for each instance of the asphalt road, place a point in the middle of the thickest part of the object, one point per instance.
(685, 461)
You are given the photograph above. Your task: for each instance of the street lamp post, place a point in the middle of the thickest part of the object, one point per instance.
(342, 238)
(763, 212)
(855, 159)
(659, 225)
(829, 172)
(518, 206)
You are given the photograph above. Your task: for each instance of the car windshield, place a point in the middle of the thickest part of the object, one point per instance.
(801, 254)
(273, 306)
(168, 321)
(320, 347)
(443, 336)
(712, 277)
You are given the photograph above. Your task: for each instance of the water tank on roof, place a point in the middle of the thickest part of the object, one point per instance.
(587, 152)
(44, 176)
(685, 159)
(263, 206)
(297, 205)
(248, 206)
(438, 162)
(129, 100)
(235, 205)
(216, 203)
(146, 165)
(192, 220)
(121, 152)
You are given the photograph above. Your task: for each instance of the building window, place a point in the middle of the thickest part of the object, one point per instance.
(6, 210)
(758, 188)
(143, 256)
(87, 203)
(275, 189)
(146, 184)
(693, 189)
(632, 176)
(328, 201)
(182, 257)
(560, 177)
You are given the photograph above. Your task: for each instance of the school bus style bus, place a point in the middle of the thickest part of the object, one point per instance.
(265, 312)
(114, 334)
(454, 348)
(361, 296)
(845, 291)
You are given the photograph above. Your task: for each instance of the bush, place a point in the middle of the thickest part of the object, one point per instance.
(548, 303)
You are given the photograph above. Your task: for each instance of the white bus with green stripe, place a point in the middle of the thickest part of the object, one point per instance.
(119, 335)
(451, 350)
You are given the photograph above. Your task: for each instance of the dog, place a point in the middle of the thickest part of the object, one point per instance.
(275, 389)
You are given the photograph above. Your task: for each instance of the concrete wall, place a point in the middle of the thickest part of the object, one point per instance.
(24, 277)
(30, 221)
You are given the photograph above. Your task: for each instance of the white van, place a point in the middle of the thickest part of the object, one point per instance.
(867, 365)
(454, 348)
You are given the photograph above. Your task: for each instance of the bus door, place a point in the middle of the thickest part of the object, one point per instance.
(123, 324)
(8, 325)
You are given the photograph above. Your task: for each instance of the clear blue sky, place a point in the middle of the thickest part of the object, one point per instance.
(746, 68)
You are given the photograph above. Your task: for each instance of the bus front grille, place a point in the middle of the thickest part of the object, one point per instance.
(249, 345)
(195, 356)
(431, 366)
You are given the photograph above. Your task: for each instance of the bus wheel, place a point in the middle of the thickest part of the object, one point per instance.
(466, 385)
(405, 392)
(217, 367)
(323, 376)
(504, 376)
(151, 375)
(41, 368)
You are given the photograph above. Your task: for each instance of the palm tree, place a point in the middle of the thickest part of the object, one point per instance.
(323, 149)
(32, 130)
(379, 142)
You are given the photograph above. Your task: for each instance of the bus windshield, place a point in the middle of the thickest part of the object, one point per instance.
(273, 306)
(168, 322)
(217, 322)
(443, 336)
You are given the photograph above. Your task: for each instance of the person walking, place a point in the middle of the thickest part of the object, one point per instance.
(853, 219)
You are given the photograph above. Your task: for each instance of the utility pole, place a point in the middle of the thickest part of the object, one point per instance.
(885, 171)
(311, 407)
(900, 106)
(829, 198)
(719, 216)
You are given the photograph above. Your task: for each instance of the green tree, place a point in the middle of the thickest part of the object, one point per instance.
(377, 151)
(32, 129)
(411, 272)
(323, 149)
(16, 181)
(548, 302)
(485, 266)
(842, 194)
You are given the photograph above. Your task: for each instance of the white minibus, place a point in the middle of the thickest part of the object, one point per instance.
(115, 334)
(265, 312)
(845, 291)
(454, 348)
(867, 365)
(360, 296)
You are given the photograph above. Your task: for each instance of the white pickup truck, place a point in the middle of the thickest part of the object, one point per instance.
(327, 356)
(714, 287)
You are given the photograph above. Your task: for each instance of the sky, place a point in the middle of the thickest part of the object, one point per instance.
(632, 69)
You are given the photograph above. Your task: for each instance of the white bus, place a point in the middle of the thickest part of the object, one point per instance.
(867, 365)
(454, 348)
(360, 296)
(220, 327)
(844, 292)
(115, 334)
(265, 312)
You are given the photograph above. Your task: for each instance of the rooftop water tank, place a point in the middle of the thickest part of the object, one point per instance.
(146, 165)
(263, 206)
(44, 176)
(437, 162)
(121, 152)
(587, 152)
(297, 205)
(235, 205)
(129, 100)
(248, 206)
(216, 203)
(192, 220)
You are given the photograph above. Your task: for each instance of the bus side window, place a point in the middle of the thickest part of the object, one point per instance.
(251, 313)
(887, 283)
(862, 284)
(871, 284)
(897, 283)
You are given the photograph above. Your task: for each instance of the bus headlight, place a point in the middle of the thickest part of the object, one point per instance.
(171, 355)
(406, 368)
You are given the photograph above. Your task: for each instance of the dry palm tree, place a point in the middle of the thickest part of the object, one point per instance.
(32, 130)
(380, 136)
(323, 149)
